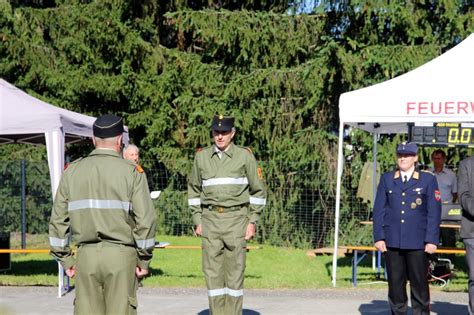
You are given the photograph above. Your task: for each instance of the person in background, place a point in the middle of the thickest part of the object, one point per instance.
(447, 181)
(226, 196)
(132, 153)
(448, 186)
(407, 214)
(466, 199)
(103, 204)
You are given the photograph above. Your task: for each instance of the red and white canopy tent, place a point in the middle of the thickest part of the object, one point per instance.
(441, 90)
(26, 119)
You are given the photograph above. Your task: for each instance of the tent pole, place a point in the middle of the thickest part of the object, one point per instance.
(55, 148)
(340, 161)
(374, 184)
(374, 177)
(23, 204)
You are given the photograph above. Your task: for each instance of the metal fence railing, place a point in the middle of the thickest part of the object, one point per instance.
(299, 211)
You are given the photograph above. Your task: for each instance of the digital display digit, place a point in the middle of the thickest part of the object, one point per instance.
(442, 134)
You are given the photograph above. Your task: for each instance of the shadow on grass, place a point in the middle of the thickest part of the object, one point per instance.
(244, 312)
(378, 307)
(33, 267)
(155, 272)
(341, 262)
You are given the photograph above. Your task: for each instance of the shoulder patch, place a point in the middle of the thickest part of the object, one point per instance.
(139, 169)
(198, 150)
(260, 173)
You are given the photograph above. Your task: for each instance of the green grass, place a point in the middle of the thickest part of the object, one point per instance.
(269, 267)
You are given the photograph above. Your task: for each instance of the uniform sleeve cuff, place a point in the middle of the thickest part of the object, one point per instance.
(254, 217)
(197, 218)
(144, 264)
(68, 263)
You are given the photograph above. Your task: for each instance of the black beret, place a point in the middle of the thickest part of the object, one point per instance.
(222, 123)
(108, 126)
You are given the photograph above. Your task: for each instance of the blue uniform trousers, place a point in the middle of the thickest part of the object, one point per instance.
(403, 265)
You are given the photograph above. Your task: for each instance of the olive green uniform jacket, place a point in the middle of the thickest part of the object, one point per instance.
(237, 182)
(102, 198)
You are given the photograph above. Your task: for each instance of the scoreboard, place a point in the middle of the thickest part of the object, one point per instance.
(442, 134)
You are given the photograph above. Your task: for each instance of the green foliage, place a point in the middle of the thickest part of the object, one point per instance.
(38, 196)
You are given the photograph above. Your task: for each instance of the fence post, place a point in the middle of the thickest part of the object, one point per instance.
(23, 204)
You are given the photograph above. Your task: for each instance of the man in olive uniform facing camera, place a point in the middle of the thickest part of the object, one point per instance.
(104, 204)
(226, 196)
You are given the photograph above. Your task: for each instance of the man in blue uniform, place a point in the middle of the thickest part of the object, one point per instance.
(407, 214)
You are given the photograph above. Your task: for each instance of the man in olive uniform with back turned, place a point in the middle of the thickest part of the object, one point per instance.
(226, 196)
(103, 202)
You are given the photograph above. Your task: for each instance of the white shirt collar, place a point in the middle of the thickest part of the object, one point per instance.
(408, 174)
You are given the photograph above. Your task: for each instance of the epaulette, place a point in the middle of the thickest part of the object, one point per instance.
(139, 168)
(248, 149)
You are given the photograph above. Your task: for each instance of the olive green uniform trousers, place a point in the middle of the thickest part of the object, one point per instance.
(105, 279)
(223, 258)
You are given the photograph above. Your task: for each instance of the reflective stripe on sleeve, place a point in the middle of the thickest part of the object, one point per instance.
(98, 204)
(225, 291)
(258, 201)
(143, 244)
(225, 181)
(58, 242)
(194, 202)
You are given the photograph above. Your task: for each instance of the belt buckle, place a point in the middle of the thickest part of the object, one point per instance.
(220, 209)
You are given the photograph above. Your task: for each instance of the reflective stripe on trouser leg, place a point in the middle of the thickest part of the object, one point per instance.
(235, 255)
(224, 259)
(213, 268)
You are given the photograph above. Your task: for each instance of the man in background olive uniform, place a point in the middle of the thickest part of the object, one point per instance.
(226, 196)
(104, 204)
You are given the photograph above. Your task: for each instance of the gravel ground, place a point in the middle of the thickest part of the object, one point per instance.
(43, 300)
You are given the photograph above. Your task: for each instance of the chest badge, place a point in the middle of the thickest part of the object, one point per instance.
(419, 201)
(413, 205)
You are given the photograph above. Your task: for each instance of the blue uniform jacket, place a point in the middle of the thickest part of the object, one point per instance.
(407, 215)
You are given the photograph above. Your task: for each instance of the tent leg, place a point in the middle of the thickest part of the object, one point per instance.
(340, 161)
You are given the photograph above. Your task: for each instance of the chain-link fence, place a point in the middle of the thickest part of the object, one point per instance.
(299, 212)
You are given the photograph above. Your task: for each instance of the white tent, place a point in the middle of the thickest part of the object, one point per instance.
(441, 90)
(25, 119)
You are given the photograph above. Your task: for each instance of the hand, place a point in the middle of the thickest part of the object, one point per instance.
(198, 230)
(380, 245)
(430, 248)
(250, 233)
(140, 273)
(71, 272)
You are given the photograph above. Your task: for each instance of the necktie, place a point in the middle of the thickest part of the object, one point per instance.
(405, 179)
